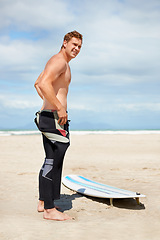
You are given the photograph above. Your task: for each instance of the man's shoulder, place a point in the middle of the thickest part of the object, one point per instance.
(59, 60)
(56, 64)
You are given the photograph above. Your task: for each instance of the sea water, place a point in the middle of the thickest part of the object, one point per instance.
(6, 133)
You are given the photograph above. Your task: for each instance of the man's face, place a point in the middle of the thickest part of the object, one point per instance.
(73, 47)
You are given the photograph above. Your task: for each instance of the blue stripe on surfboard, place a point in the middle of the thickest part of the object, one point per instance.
(92, 187)
(101, 184)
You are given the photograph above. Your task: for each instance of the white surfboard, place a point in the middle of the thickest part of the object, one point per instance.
(94, 189)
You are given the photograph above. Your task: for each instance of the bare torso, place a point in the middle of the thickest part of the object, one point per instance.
(60, 87)
(52, 84)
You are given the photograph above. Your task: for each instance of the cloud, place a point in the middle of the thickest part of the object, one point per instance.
(138, 107)
(37, 14)
(120, 41)
(41, 21)
(20, 102)
(112, 103)
(84, 101)
(23, 60)
(117, 69)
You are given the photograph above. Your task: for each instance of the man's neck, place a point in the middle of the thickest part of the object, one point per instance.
(68, 59)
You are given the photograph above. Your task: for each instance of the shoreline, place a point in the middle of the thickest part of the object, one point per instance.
(81, 132)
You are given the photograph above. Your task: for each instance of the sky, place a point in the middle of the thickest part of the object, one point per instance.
(115, 78)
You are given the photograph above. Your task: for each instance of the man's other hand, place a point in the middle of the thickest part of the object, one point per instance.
(63, 116)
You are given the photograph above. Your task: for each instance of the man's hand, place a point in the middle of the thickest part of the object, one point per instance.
(63, 116)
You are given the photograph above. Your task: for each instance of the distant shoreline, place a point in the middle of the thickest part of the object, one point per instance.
(81, 132)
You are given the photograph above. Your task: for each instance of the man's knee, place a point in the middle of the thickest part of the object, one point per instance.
(47, 168)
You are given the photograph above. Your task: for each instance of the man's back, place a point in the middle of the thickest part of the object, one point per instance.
(60, 82)
(52, 84)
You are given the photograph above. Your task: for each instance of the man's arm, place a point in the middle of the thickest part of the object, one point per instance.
(37, 87)
(51, 73)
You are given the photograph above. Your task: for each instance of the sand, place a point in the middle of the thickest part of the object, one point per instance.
(131, 162)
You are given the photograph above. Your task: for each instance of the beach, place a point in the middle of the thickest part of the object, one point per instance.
(128, 161)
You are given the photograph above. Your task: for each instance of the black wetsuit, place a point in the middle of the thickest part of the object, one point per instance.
(55, 141)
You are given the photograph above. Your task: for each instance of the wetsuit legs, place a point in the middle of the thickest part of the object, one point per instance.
(50, 173)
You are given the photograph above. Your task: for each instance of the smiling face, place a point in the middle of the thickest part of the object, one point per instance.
(72, 47)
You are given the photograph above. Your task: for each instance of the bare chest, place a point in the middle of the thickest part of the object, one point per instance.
(63, 81)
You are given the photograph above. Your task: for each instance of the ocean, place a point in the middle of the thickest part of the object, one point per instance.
(6, 133)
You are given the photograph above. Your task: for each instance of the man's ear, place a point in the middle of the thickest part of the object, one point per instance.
(64, 43)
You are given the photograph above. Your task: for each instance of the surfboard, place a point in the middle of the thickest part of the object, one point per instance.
(91, 188)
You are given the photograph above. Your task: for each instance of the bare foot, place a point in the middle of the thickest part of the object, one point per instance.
(40, 207)
(54, 214)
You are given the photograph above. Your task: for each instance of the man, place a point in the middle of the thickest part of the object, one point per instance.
(52, 86)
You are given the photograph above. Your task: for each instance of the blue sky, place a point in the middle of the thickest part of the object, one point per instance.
(115, 78)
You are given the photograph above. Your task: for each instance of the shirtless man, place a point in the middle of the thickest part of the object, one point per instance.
(52, 86)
